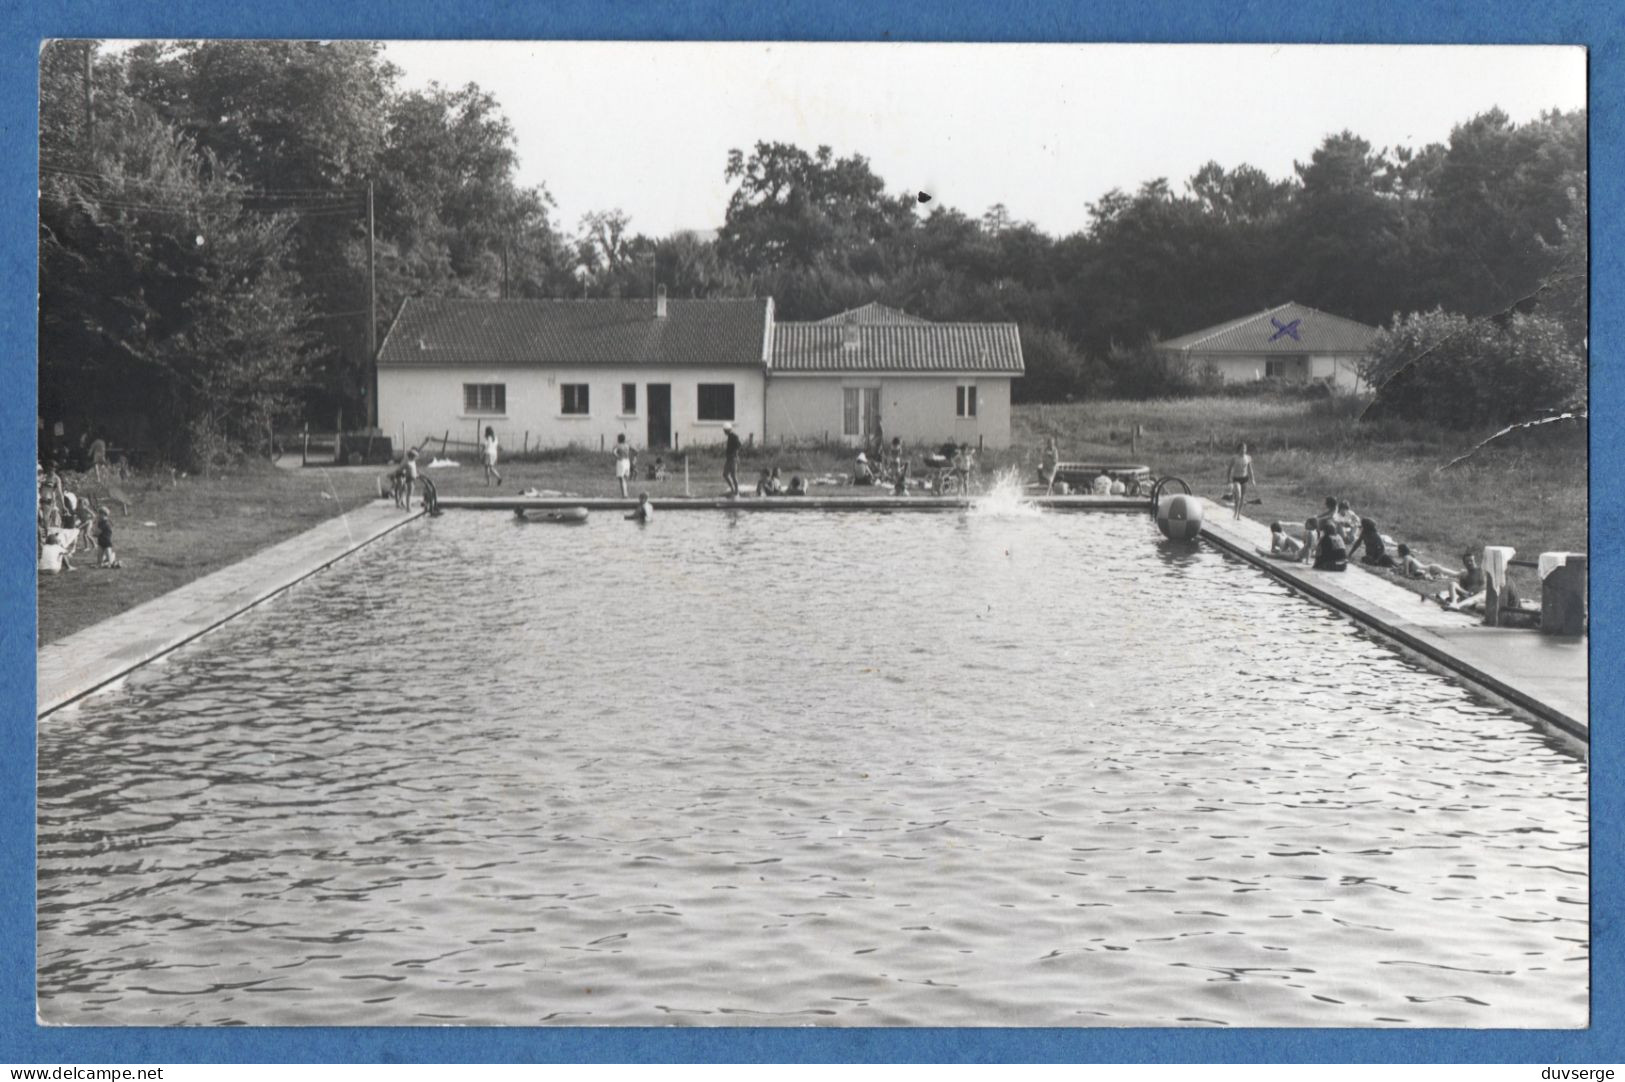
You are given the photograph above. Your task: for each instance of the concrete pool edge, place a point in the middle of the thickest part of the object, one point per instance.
(79, 664)
(1431, 643)
(781, 503)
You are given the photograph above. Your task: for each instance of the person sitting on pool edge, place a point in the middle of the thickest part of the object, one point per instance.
(1467, 588)
(1283, 543)
(862, 472)
(1376, 549)
(1348, 523)
(644, 512)
(1331, 554)
(1413, 568)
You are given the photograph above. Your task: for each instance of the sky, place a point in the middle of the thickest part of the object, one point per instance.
(1044, 129)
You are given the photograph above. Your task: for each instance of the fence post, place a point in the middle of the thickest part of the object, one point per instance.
(443, 441)
(686, 492)
(527, 439)
(304, 447)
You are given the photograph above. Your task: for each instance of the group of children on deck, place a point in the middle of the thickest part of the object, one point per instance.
(1329, 540)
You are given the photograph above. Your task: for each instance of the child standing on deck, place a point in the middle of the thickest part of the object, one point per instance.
(409, 477)
(1241, 475)
(488, 455)
(623, 462)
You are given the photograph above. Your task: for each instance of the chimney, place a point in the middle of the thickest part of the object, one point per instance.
(660, 302)
(849, 332)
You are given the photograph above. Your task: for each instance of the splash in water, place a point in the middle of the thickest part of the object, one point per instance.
(1006, 498)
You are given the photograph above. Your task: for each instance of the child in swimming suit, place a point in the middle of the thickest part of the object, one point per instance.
(1241, 475)
(1283, 543)
(644, 511)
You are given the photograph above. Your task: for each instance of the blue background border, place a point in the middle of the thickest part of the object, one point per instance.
(1596, 25)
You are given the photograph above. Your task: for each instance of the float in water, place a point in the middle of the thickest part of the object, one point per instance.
(564, 516)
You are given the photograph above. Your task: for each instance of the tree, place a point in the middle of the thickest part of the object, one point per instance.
(791, 209)
(1463, 373)
(168, 308)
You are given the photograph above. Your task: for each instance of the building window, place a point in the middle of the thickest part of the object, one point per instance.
(573, 399)
(485, 398)
(716, 402)
(966, 401)
(629, 399)
(860, 412)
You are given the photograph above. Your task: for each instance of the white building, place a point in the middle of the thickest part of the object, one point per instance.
(556, 373)
(1290, 342)
(559, 373)
(876, 371)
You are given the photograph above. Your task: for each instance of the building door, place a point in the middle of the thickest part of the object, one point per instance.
(861, 412)
(659, 406)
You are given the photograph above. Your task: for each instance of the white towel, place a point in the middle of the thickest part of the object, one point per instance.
(1551, 561)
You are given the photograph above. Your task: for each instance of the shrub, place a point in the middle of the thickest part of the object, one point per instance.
(1462, 373)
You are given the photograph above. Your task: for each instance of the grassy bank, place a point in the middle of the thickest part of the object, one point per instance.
(1529, 494)
(182, 528)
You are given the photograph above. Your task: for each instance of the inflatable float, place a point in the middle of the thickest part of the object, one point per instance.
(565, 516)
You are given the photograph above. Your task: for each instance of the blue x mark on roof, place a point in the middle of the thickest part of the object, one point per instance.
(1288, 329)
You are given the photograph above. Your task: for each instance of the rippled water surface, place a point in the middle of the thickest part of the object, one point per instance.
(765, 769)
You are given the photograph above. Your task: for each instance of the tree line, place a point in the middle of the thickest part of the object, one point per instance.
(204, 268)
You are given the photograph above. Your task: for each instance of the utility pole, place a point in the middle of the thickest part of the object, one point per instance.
(90, 115)
(372, 316)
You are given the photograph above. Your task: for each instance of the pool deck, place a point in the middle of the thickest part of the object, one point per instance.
(779, 503)
(77, 665)
(1547, 675)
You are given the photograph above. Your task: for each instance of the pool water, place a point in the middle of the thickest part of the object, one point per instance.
(735, 769)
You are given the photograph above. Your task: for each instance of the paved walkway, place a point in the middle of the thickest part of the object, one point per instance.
(1544, 674)
(82, 662)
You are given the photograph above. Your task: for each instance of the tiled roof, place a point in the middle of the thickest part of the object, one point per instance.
(993, 348)
(442, 331)
(873, 313)
(1286, 328)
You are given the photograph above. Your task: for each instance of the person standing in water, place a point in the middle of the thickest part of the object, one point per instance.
(1241, 475)
(644, 512)
(488, 455)
(623, 462)
(730, 458)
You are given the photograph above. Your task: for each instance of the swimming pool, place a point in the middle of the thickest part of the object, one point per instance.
(829, 770)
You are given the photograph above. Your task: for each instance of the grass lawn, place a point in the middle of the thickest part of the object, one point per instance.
(1530, 494)
(183, 529)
